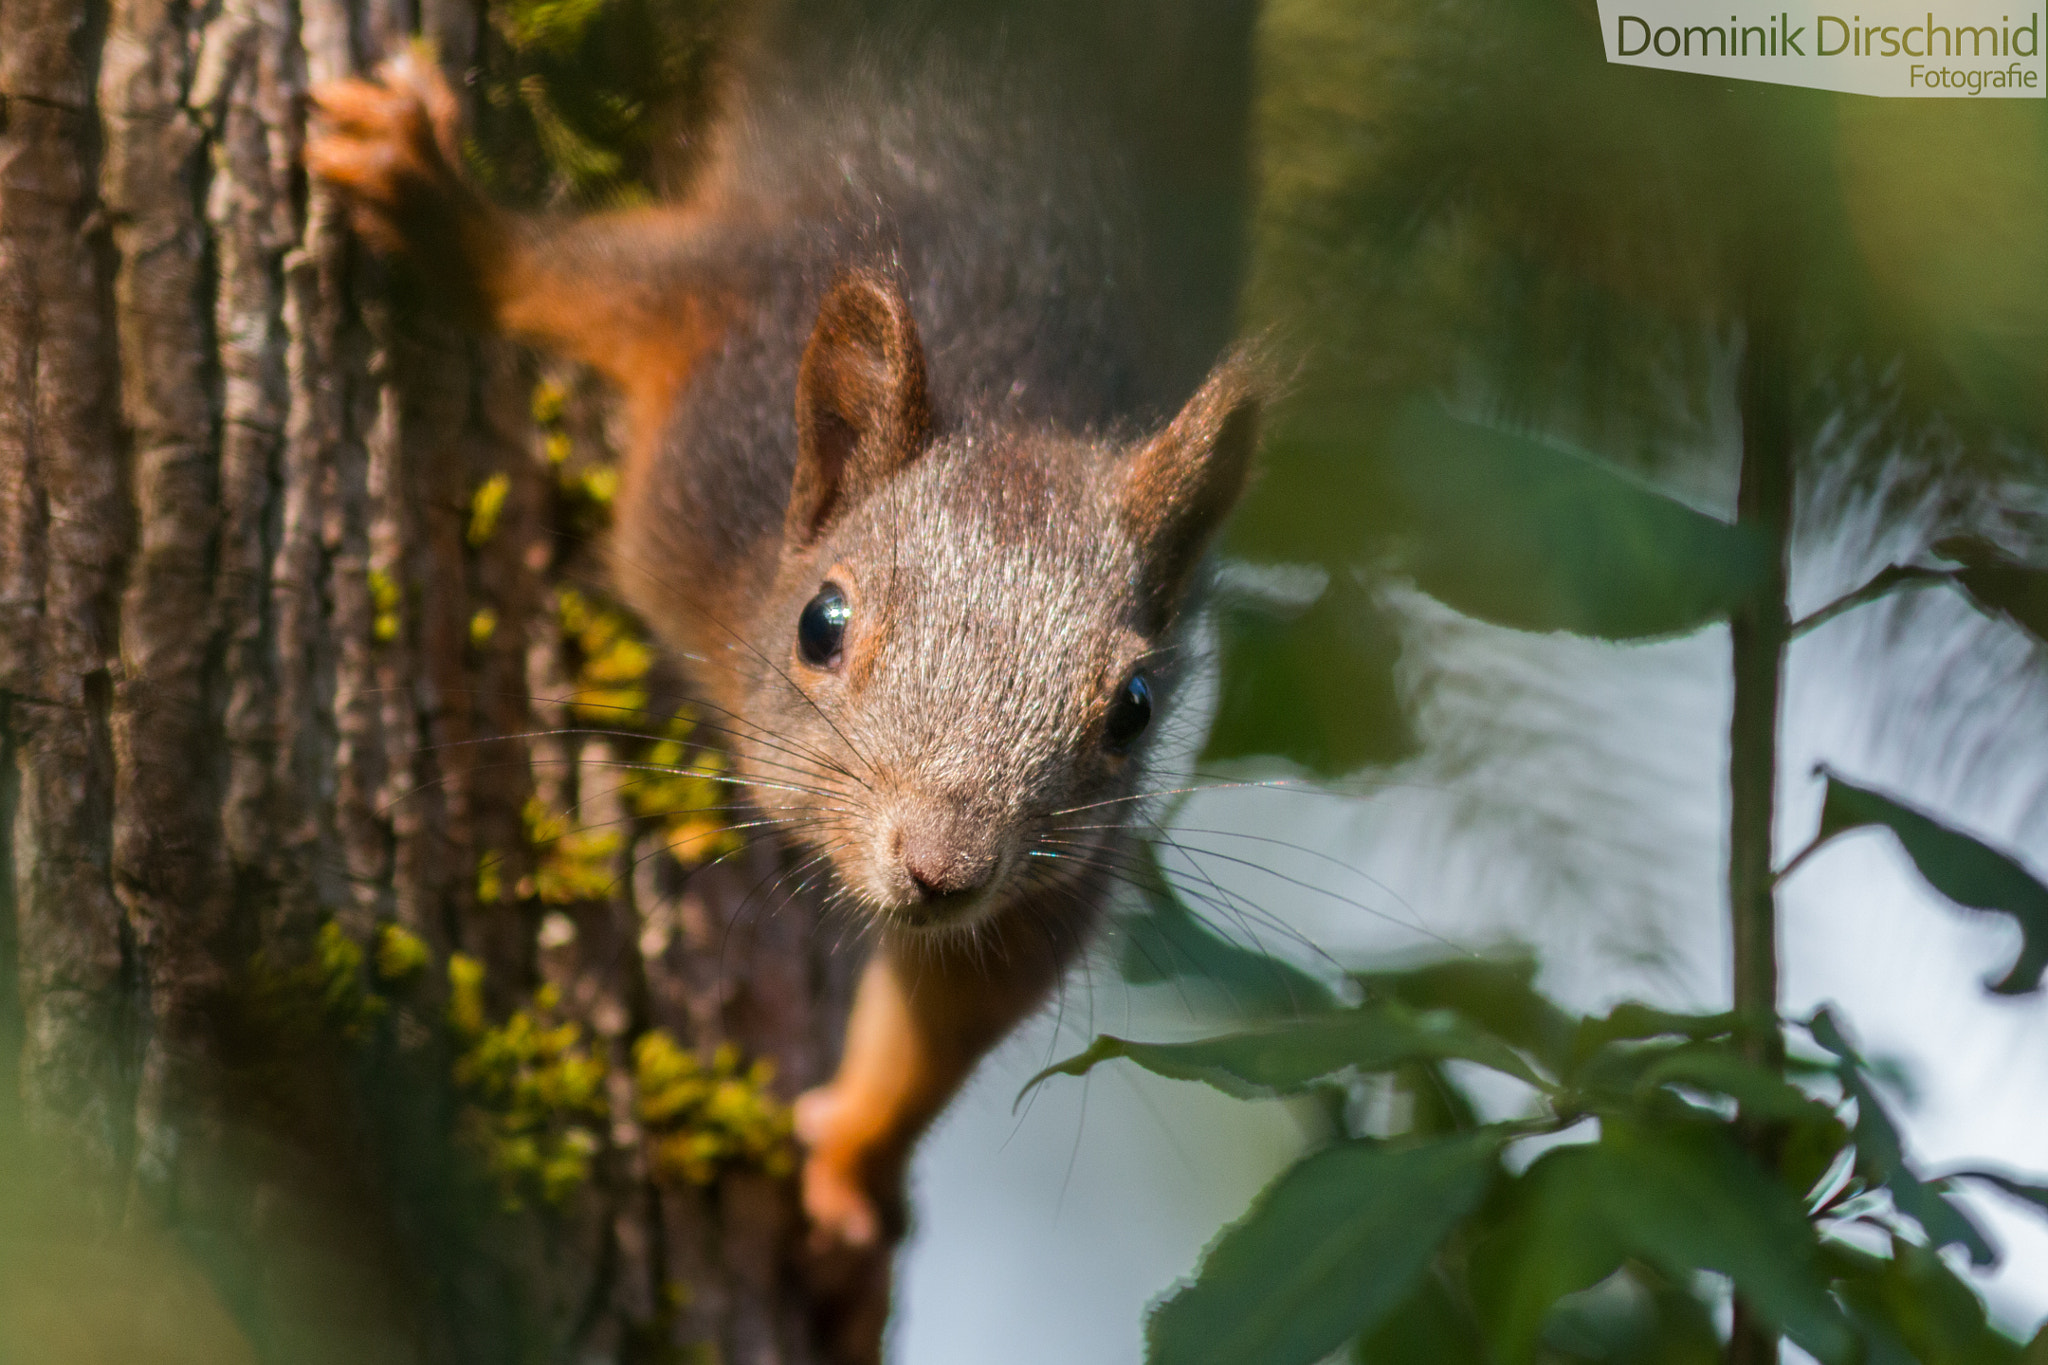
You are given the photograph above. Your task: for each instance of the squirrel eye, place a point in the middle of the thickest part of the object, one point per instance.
(1129, 714)
(821, 630)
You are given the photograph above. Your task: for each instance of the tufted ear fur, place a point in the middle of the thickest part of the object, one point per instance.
(1176, 489)
(861, 407)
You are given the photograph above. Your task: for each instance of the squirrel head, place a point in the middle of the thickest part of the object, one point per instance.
(973, 635)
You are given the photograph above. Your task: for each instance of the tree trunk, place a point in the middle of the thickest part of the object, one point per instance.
(249, 693)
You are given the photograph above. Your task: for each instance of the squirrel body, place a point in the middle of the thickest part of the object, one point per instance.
(906, 490)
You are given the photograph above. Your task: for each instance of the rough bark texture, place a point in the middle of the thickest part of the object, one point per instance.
(267, 693)
(220, 452)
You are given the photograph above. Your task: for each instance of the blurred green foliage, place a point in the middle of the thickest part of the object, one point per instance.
(589, 101)
(1162, 939)
(1515, 276)
(1577, 1231)
(1534, 298)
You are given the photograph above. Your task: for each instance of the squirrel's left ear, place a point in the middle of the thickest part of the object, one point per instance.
(862, 411)
(1176, 489)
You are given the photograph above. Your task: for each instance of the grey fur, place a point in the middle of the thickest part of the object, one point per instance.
(1005, 581)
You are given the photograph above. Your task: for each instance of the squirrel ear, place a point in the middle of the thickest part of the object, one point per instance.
(1175, 491)
(861, 408)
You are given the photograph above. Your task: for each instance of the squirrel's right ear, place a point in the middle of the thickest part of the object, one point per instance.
(861, 407)
(1175, 490)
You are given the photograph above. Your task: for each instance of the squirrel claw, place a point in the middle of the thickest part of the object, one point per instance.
(392, 144)
(841, 1211)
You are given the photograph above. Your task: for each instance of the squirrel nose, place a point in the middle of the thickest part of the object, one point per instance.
(941, 855)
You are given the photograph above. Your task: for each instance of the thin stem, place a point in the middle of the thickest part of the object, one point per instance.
(1759, 630)
(1888, 580)
(1799, 858)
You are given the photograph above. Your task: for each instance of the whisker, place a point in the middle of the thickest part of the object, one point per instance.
(530, 760)
(608, 547)
(737, 637)
(628, 784)
(1350, 901)
(1316, 853)
(1223, 900)
(1300, 786)
(1221, 903)
(753, 731)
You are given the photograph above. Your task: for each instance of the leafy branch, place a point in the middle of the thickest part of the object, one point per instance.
(1640, 1175)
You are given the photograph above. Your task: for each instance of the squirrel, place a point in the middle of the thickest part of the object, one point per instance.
(905, 491)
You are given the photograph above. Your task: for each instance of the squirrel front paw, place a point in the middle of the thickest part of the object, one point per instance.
(392, 145)
(839, 1199)
(855, 1218)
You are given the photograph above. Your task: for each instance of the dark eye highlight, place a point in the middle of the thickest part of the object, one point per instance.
(1129, 714)
(821, 630)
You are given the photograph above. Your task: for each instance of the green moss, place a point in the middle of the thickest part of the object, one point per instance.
(575, 863)
(704, 1120)
(490, 878)
(384, 602)
(550, 401)
(611, 677)
(536, 1090)
(344, 987)
(598, 485)
(465, 995)
(400, 954)
(485, 506)
(552, 27)
(692, 801)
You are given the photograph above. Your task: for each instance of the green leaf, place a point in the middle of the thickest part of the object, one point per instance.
(1437, 1104)
(1915, 1310)
(1524, 533)
(1808, 1150)
(1632, 1021)
(1763, 1094)
(1497, 993)
(1165, 941)
(1881, 1156)
(2024, 1191)
(1624, 1321)
(1682, 1199)
(1315, 686)
(1608, 1053)
(1326, 1251)
(1999, 584)
(1554, 1240)
(1962, 868)
(1288, 1058)
(1430, 1325)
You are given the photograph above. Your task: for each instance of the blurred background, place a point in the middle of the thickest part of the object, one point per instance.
(1650, 444)
(1461, 199)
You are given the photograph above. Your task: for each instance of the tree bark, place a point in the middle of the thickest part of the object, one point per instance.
(242, 697)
